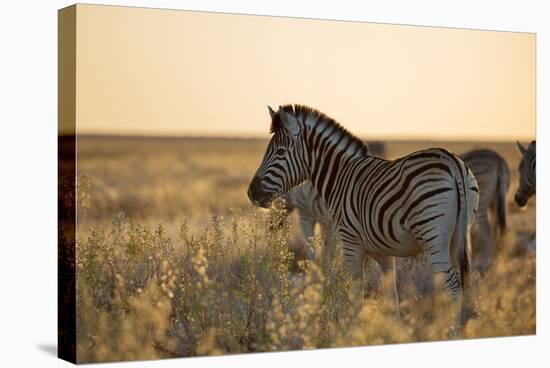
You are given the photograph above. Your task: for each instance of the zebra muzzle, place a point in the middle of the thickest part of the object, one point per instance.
(257, 195)
(521, 199)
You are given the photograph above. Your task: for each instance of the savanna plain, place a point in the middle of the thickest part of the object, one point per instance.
(172, 260)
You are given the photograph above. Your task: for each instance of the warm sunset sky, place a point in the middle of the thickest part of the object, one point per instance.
(159, 72)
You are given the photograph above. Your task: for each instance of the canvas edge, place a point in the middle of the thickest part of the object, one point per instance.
(66, 197)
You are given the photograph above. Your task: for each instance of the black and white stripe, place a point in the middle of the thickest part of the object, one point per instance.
(493, 178)
(423, 202)
(527, 173)
(312, 209)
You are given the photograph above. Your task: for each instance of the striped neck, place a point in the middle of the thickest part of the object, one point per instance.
(329, 148)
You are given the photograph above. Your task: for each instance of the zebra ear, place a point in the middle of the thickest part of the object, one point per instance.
(521, 149)
(271, 112)
(290, 122)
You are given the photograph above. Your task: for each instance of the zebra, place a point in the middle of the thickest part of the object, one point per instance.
(377, 148)
(493, 178)
(311, 207)
(527, 173)
(425, 201)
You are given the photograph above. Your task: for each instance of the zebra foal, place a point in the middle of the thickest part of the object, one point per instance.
(423, 202)
(311, 210)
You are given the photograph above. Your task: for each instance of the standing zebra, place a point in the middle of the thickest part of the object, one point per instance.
(527, 173)
(425, 201)
(493, 178)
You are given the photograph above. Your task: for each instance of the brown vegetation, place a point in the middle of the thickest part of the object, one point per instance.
(173, 261)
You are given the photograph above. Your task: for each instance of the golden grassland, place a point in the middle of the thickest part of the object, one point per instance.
(172, 261)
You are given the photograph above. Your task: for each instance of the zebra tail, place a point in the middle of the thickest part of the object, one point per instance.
(502, 187)
(462, 228)
(462, 247)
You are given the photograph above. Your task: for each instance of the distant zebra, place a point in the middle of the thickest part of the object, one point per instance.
(377, 148)
(423, 202)
(493, 178)
(312, 209)
(527, 173)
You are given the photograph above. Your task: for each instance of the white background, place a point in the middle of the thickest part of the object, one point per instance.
(28, 159)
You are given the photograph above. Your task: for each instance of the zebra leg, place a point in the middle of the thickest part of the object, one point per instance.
(387, 264)
(308, 225)
(355, 259)
(484, 240)
(444, 264)
(354, 256)
(497, 230)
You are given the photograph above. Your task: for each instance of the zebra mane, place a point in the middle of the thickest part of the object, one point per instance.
(303, 112)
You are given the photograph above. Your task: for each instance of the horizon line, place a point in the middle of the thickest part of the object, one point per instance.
(267, 136)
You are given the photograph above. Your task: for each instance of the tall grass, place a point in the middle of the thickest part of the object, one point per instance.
(229, 289)
(166, 267)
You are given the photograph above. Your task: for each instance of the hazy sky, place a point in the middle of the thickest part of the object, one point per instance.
(146, 71)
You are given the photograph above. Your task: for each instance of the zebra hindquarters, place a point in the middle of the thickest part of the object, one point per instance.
(437, 231)
(461, 241)
(448, 247)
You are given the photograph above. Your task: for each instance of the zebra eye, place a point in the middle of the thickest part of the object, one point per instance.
(280, 151)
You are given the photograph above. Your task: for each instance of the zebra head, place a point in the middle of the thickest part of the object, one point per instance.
(527, 173)
(284, 164)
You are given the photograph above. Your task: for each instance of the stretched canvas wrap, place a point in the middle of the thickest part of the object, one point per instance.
(234, 184)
